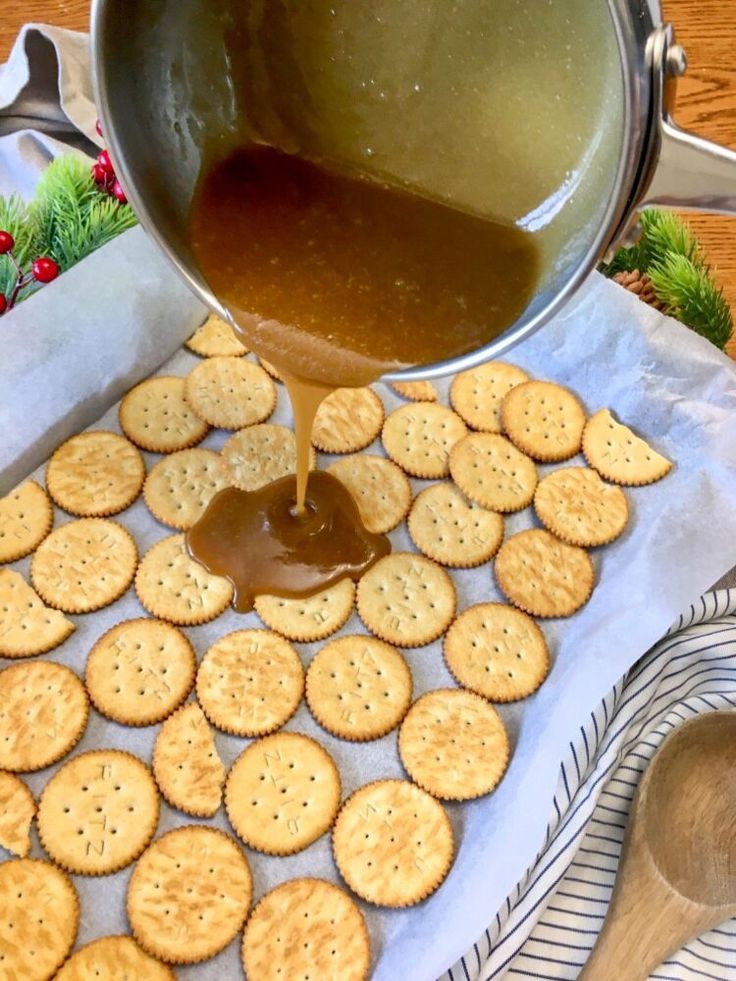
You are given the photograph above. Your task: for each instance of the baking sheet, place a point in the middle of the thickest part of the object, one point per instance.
(674, 388)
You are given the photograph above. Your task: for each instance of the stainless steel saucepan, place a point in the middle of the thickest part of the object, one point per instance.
(164, 86)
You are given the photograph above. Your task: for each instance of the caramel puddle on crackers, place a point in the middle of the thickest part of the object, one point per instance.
(292, 537)
(335, 279)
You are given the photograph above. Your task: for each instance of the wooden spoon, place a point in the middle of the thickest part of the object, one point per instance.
(677, 877)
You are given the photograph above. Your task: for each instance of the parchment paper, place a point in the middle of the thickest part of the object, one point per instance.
(658, 377)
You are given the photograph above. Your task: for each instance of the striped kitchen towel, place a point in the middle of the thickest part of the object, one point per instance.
(549, 924)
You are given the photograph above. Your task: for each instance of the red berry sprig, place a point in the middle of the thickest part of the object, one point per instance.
(103, 174)
(43, 270)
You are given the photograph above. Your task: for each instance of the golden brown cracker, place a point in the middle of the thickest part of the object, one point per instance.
(155, 416)
(189, 895)
(619, 455)
(230, 392)
(186, 766)
(179, 488)
(282, 793)
(215, 338)
(379, 488)
(271, 369)
(140, 671)
(39, 918)
(578, 507)
(476, 394)
(347, 420)
(544, 576)
(358, 687)
(453, 744)
(306, 928)
(113, 959)
(17, 808)
(27, 627)
(544, 420)
(493, 473)
(257, 455)
(419, 438)
(393, 843)
(26, 518)
(173, 587)
(98, 812)
(447, 529)
(406, 600)
(84, 565)
(43, 713)
(250, 682)
(416, 391)
(310, 618)
(95, 474)
(497, 652)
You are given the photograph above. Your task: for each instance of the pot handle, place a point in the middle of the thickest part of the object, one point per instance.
(692, 173)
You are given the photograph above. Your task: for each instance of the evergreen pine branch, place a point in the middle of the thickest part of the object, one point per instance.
(14, 218)
(103, 221)
(691, 295)
(69, 217)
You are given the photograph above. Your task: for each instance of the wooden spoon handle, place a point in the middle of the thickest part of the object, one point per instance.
(647, 920)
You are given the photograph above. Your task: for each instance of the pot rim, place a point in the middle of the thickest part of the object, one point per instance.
(631, 29)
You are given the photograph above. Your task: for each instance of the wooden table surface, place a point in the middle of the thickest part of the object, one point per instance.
(706, 104)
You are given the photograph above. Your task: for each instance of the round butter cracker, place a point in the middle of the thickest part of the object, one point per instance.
(309, 618)
(84, 565)
(257, 455)
(155, 416)
(271, 369)
(543, 420)
(544, 576)
(619, 455)
(250, 682)
(186, 766)
(230, 392)
(497, 651)
(447, 529)
(95, 474)
(453, 744)
(578, 507)
(140, 671)
(215, 338)
(419, 438)
(43, 713)
(476, 394)
(347, 420)
(358, 688)
(113, 959)
(39, 918)
(282, 793)
(98, 812)
(173, 587)
(27, 627)
(416, 391)
(17, 809)
(492, 472)
(306, 928)
(379, 488)
(26, 518)
(406, 600)
(189, 895)
(179, 488)
(393, 843)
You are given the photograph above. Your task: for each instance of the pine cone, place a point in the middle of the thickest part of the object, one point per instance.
(641, 285)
